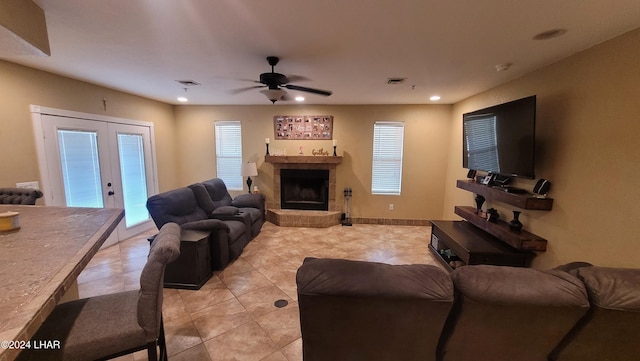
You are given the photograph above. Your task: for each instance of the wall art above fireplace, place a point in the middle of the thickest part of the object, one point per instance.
(303, 127)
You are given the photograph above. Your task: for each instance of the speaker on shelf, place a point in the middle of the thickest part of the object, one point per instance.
(542, 187)
(471, 174)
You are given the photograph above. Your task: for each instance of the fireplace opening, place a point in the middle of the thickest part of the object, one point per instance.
(306, 189)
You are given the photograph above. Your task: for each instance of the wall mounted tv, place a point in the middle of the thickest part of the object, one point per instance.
(501, 139)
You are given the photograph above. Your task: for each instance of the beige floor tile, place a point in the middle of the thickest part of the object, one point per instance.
(99, 271)
(276, 356)
(181, 334)
(101, 286)
(282, 325)
(195, 353)
(245, 282)
(293, 351)
(235, 345)
(215, 292)
(220, 318)
(173, 306)
(239, 266)
(261, 301)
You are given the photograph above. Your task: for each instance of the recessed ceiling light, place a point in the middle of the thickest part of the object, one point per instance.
(434, 98)
(299, 98)
(183, 99)
(549, 34)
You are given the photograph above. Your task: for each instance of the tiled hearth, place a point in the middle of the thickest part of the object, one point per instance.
(304, 218)
(298, 218)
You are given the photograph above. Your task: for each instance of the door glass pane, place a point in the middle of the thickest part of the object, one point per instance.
(134, 180)
(80, 168)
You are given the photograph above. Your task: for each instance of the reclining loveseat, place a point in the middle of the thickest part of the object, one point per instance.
(232, 223)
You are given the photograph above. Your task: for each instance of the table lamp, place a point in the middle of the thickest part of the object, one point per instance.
(249, 170)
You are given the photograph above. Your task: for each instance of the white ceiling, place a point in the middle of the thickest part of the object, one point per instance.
(351, 47)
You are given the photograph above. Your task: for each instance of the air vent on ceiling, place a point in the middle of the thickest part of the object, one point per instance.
(395, 80)
(188, 82)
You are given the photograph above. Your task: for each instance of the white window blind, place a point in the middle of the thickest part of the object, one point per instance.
(388, 143)
(482, 149)
(229, 153)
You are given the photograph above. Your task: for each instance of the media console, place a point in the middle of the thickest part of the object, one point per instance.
(479, 241)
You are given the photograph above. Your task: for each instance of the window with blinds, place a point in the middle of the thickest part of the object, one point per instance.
(229, 153)
(388, 143)
(482, 144)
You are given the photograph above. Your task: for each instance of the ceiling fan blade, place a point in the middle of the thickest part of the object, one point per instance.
(241, 90)
(296, 78)
(308, 90)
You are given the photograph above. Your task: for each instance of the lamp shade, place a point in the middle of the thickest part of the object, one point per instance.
(249, 170)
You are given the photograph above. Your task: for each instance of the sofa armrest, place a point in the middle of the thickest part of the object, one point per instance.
(249, 200)
(206, 225)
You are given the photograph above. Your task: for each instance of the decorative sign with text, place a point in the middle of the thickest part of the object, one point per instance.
(303, 127)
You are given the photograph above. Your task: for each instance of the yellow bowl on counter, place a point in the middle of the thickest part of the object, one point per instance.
(9, 221)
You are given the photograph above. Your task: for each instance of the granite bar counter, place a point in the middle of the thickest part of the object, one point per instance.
(40, 261)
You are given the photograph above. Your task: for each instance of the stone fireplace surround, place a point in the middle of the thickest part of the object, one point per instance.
(304, 218)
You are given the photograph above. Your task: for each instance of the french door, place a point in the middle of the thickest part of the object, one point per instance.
(93, 161)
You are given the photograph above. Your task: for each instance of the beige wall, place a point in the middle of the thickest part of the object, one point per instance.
(22, 86)
(588, 119)
(426, 143)
(588, 124)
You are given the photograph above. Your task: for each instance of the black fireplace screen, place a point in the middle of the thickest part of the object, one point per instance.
(306, 189)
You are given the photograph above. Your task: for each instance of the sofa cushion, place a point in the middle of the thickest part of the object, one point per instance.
(202, 197)
(226, 210)
(353, 310)
(218, 193)
(611, 329)
(510, 313)
(177, 205)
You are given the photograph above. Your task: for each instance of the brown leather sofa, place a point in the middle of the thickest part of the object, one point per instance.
(352, 310)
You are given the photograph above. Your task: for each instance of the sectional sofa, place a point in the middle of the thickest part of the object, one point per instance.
(207, 206)
(354, 310)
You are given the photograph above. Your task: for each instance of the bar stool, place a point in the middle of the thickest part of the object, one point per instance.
(113, 325)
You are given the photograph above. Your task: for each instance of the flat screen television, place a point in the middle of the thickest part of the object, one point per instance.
(501, 139)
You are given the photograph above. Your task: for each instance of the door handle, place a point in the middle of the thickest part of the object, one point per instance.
(111, 193)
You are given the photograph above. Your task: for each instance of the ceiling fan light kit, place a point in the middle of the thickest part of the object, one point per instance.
(273, 94)
(274, 82)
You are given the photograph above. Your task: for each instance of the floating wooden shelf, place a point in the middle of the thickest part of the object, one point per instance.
(520, 240)
(520, 200)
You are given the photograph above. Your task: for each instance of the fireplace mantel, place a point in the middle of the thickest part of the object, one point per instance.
(302, 159)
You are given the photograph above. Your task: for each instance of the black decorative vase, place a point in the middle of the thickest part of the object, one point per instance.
(479, 202)
(493, 215)
(515, 223)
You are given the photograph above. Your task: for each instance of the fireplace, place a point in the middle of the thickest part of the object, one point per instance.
(306, 189)
(316, 184)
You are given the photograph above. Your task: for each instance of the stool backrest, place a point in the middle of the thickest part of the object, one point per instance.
(164, 249)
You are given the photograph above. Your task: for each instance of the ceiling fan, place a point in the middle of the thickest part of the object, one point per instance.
(275, 81)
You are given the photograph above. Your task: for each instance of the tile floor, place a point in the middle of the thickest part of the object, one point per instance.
(233, 317)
